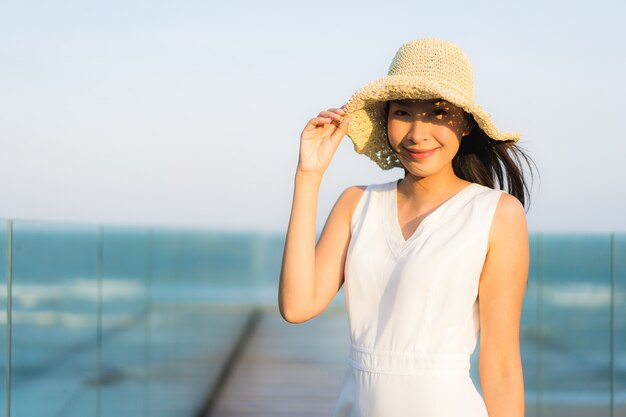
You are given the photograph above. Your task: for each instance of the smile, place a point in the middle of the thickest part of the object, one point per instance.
(421, 154)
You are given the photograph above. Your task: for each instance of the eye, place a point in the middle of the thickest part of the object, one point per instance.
(400, 113)
(440, 112)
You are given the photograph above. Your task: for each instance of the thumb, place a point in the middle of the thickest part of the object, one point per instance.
(341, 131)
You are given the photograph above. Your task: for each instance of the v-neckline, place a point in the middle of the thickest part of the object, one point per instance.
(397, 228)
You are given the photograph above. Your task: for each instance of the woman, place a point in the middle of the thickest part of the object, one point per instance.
(429, 261)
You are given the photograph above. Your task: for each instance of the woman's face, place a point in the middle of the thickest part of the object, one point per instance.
(425, 134)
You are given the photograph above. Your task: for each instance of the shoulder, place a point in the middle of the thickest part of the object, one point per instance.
(509, 208)
(354, 191)
(352, 194)
(350, 197)
(509, 221)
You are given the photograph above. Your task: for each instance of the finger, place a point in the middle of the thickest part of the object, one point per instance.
(333, 115)
(317, 122)
(337, 110)
(337, 121)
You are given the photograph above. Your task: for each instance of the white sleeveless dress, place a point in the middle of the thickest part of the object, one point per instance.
(412, 306)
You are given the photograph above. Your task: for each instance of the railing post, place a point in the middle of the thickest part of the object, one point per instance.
(540, 267)
(9, 326)
(147, 347)
(612, 327)
(99, 273)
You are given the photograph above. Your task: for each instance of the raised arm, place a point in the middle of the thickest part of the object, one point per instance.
(501, 294)
(311, 275)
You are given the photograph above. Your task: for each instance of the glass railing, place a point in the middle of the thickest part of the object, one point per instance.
(110, 321)
(118, 321)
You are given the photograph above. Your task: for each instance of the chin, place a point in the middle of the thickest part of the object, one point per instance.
(421, 173)
(418, 173)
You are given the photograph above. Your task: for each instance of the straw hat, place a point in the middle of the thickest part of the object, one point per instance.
(421, 69)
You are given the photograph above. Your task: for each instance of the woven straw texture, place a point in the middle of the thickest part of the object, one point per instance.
(421, 69)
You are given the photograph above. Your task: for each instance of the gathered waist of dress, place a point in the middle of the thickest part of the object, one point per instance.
(408, 363)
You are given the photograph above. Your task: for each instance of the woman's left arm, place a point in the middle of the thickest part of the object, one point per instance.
(500, 297)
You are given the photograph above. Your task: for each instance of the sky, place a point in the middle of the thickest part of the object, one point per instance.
(189, 113)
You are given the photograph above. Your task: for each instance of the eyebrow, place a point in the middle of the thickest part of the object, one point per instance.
(407, 102)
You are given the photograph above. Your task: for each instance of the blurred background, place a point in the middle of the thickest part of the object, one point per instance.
(148, 156)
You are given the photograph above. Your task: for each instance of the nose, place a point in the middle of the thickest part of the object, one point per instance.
(418, 131)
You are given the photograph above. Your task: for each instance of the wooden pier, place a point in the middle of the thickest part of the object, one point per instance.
(284, 369)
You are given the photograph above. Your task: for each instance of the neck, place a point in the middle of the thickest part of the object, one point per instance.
(433, 187)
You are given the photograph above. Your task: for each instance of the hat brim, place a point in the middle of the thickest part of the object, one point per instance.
(368, 126)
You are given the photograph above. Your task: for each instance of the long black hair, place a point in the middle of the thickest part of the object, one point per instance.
(492, 163)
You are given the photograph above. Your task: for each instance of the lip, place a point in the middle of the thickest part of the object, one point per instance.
(420, 153)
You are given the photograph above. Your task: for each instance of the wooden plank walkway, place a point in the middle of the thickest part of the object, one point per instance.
(286, 369)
